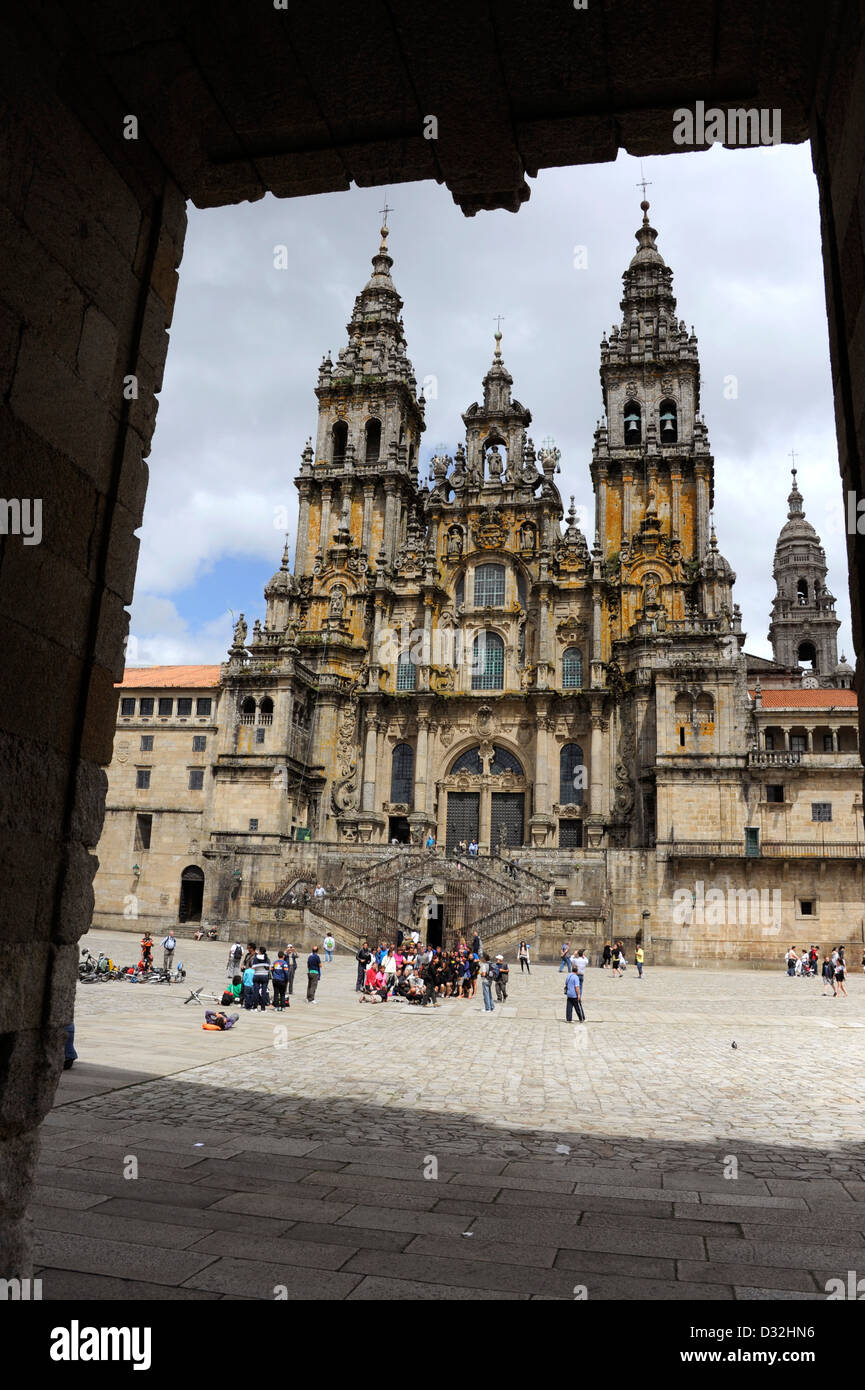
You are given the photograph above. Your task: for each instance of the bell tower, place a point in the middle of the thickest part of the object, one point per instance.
(362, 472)
(803, 627)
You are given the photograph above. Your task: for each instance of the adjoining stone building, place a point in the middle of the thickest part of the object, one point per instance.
(457, 660)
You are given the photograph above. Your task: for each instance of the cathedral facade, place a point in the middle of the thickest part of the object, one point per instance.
(459, 661)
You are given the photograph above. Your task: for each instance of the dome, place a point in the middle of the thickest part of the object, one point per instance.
(796, 528)
(715, 566)
(844, 669)
(282, 584)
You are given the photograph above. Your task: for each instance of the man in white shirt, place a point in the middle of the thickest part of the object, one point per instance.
(169, 943)
(579, 964)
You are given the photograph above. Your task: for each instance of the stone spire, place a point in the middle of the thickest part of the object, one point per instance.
(649, 328)
(803, 627)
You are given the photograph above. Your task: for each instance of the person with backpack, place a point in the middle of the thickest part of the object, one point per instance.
(487, 984)
(279, 976)
(169, 944)
(565, 957)
(573, 1004)
(329, 948)
(235, 956)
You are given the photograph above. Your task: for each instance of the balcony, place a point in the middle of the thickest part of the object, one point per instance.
(765, 759)
(768, 849)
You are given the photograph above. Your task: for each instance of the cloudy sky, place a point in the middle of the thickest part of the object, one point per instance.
(740, 230)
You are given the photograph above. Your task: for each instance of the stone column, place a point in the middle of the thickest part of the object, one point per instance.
(836, 738)
(809, 735)
(702, 517)
(786, 733)
(544, 641)
(421, 760)
(675, 501)
(389, 537)
(484, 818)
(324, 529)
(368, 497)
(627, 480)
(370, 760)
(596, 768)
(301, 548)
(601, 504)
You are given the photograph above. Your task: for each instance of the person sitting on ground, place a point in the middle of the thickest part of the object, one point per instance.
(236, 988)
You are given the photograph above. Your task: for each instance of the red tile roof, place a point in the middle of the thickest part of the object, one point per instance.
(165, 677)
(807, 699)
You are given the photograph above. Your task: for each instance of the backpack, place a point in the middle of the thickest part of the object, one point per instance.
(237, 953)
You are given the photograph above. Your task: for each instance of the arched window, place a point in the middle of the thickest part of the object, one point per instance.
(402, 774)
(572, 775)
(572, 669)
(488, 662)
(503, 761)
(633, 424)
(469, 761)
(247, 711)
(460, 592)
(705, 712)
(265, 711)
(806, 656)
(489, 586)
(802, 592)
(406, 672)
(338, 442)
(669, 422)
(373, 441)
(521, 590)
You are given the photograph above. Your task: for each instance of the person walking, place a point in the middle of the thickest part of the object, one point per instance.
(329, 946)
(473, 848)
(791, 959)
(615, 956)
(313, 974)
(573, 1003)
(501, 980)
(169, 944)
(524, 958)
(363, 958)
(487, 985)
(279, 975)
(606, 957)
(841, 973)
(640, 957)
(828, 973)
(260, 977)
(235, 956)
(565, 961)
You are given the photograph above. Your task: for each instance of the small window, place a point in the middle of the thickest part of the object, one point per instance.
(460, 594)
(828, 743)
(259, 735)
(406, 672)
(142, 779)
(769, 742)
(806, 907)
(682, 737)
(203, 706)
(146, 743)
(143, 831)
(199, 743)
(184, 708)
(774, 793)
(145, 707)
(127, 708)
(798, 743)
(196, 779)
(572, 775)
(821, 810)
(752, 842)
(166, 708)
(253, 825)
(572, 669)
(402, 774)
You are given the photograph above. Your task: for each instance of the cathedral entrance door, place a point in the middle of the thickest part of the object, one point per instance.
(191, 895)
(463, 818)
(506, 820)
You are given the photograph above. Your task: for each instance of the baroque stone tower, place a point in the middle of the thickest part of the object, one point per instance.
(803, 627)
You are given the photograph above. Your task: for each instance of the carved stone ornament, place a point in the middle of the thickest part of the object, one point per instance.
(491, 531)
(570, 630)
(122, 754)
(446, 735)
(484, 720)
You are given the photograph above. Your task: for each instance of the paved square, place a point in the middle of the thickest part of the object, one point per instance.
(346, 1150)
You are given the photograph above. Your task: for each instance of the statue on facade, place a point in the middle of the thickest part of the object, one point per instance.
(337, 602)
(455, 541)
(240, 631)
(495, 464)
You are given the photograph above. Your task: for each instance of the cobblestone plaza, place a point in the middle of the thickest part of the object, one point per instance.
(375, 1152)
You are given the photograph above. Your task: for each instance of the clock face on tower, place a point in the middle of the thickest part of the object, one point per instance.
(810, 683)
